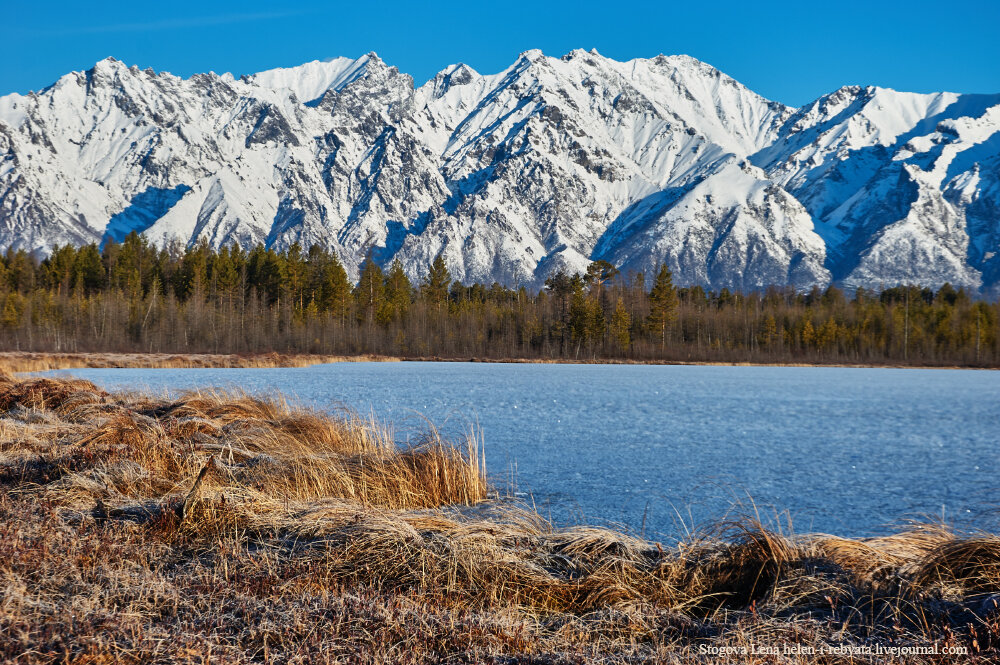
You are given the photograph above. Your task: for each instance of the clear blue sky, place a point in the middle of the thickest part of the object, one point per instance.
(788, 51)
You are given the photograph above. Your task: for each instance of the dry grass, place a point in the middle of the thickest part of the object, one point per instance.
(22, 361)
(26, 361)
(223, 527)
(78, 444)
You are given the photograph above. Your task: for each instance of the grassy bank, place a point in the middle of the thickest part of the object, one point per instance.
(24, 361)
(21, 361)
(224, 528)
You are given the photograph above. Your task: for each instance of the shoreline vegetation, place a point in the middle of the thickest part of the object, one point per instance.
(220, 527)
(16, 362)
(133, 297)
(19, 362)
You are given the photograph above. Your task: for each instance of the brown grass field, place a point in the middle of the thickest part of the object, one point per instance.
(28, 361)
(233, 529)
(40, 361)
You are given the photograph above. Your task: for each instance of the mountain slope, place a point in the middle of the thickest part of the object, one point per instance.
(549, 164)
(887, 179)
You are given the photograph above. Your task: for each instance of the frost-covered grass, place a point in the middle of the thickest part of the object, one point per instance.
(224, 528)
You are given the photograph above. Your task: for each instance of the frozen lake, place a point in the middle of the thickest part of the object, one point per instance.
(658, 448)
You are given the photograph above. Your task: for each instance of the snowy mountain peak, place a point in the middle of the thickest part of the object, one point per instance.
(108, 68)
(581, 53)
(453, 75)
(110, 63)
(531, 55)
(546, 165)
(310, 81)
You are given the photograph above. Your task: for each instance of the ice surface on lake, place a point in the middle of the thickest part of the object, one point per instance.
(846, 451)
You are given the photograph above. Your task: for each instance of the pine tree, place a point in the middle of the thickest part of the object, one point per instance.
(621, 324)
(600, 273)
(662, 304)
(579, 315)
(398, 292)
(56, 271)
(225, 273)
(369, 294)
(88, 270)
(335, 288)
(296, 275)
(435, 285)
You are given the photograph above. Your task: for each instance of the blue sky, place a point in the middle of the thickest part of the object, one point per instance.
(789, 51)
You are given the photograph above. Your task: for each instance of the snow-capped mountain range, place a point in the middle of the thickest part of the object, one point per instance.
(552, 163)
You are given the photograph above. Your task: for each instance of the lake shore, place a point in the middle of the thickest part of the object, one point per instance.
(691, 363)
(29, 361)
(219, 527)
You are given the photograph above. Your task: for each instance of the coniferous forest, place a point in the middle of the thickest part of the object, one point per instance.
(133, 297)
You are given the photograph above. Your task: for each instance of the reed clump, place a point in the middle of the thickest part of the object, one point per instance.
(225, 527)
(127, 447)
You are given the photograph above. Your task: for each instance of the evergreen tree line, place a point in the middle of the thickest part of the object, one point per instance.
(133, 296)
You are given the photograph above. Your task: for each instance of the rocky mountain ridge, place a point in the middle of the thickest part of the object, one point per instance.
(550, 164)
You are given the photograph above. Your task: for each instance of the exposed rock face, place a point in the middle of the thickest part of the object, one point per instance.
(550, 164)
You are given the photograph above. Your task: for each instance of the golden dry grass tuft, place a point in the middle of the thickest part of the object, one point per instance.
(117, 448)
(225, 527)
(972, 565)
